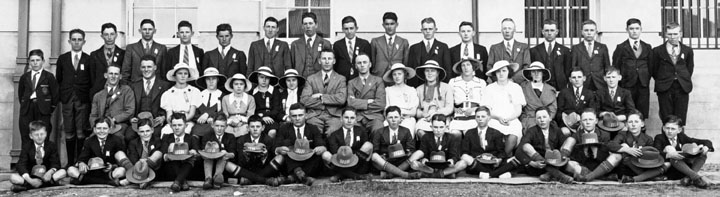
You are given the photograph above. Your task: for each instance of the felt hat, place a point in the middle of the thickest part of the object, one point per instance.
(500, 64)
(194, 73)
(410, 73)
(555, 158)
(38, 171)
(114, 127)
(344, 157)
(487, 158)
(145, 115)
(254, 148)
(690, 150)
(210, 72)
(180, 152)
(420, 70)
(650, 158)
(238, 76)
(291, 73)
(610, 123)
(140, 173)
(437, 160)
(211, 151)
(301, 151)
(396, 151)
(572, 121)
(264, 70)
(96, 163)
(589, 139)
(527, 72)
(476, 64)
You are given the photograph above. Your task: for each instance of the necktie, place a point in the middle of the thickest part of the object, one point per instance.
(144, 153)
(351, 51)
(466, 52)
(147, 48)
(673, 142)
(427, 46)
(309, 44)
(390, 43)
(348, 138)
(326, 80)
(547, 141)
(148, 87)
(298, 135)
(209, 97)
(363, 80)
(102, 145)
(393, 139)
(438, 141)
(39, 155)
(637, 49)
(674, 54)
(577, 94)
(268, 46)
(549, 49)
(222, 53)
(108, 57)
(391, 49)
(508, 48)
(612, 94)
(635, 46)
(76, 60)
(186, 56)
(34, 81)
(589, 49)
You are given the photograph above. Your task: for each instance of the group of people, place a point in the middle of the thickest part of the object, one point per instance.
(357, 107)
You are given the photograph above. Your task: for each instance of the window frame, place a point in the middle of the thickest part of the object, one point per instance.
(133, 35)
(567, 28)
(308, 7)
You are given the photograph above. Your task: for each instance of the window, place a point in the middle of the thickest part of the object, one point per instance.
(288, 12)
(698, 19)
(166, 14)
(568, 13)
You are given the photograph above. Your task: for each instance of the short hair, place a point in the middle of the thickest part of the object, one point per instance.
(636, 112)
(465, 23)
(428, 20)
(611, 70)
(221, 117)
(482, 108)
(551, 22)
(393, 109)
(673, 119)
(588, 22)
(268, 19)
(297, 106)
(148, 58)
(348, 19)
(327, 51)
(577, 69)
(102, 120)
(255, 118)
(438, 117)
(223, 27)
(361, 54)
(672, 25)
(184, 23)
(37, 52)
(633, 21)
(390, 15)
(178, 116)
(143, 122)
(347, 109)
(76, 31)
(148, 21)
(108, 25)
(308, 15)
(112, 65)
(37, 125)
(589, 110)
(507, 20)
(542, 108)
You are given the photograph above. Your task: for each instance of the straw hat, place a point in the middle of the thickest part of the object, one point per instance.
(527, 72)
(457, 69)
(420, 71)
(194, 74)
(238, 76)
(264, 70)
(210, 72)
(410, 73)
(500, 64)
(291, 73)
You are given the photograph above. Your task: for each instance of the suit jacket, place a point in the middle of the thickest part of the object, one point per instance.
(665, 72)
(547, 99)
(520, 54)
(480, 54)
(470, 144)
(91, 148)
(26, 161)
(75, 81)
(234, 62)
(286, 136)
(298, 50)
(344, 63)
(173, 57)
(359, 94)
(120, 105)
(384, 56)
(662, 141)
(594, 66)
(633, 69)
(227, 143)
(101, 65)
(159, 87)
(621, 104)
(134, 148)
(337, 139)
(568, 103)
(46, 93)
(333, 98)
(192, 141)
(625, 137)
(448, 144)
(243, 160)
(438, 52)
(381, 140)
(131, 61)
(557, 62)
(278, 59)
(535, 138)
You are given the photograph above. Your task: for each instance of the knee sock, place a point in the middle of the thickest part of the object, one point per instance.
(698, 162)
(650, 173)
(681, 166)
(537, 157)
(404, 165)
(602, 169)
(70, 149)
(269, 170)
(240, 172)
(506, 167)
(151, 164)
(392, 169)
(219, 166)
(125, 163)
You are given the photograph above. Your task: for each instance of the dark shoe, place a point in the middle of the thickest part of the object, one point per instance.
(612, 177)
(300, 174)
(218, 180)
(244, 181)
(702, 183)
(335, 179)
(309, 181)
(415, 175)
(545, 177)
(291, 179)
(565, 179)
(659, 178)
(208, 184)
(451, 176)
(385, 175)
(114, 182)
(364, 177)
(144, 185)
(627, 179)
(75, 181)
(685, 181)
(274, 181)
(18, 188)
(185, 186)
(580, 178)
(175, 187)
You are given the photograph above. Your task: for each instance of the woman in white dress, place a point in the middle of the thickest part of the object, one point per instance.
(505, 100)
(402, 95)
(182, 97)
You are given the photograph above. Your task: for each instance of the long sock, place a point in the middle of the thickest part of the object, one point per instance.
(404, 165)
(125, 163)
(207, 168)
(602, 169)
(240, 172)
(698, 162)
(681, 166)
(219, 166)
(269, 170)
(537, 157)
(70, 148)
(151, 164)
(509, 146)
(650, 173)
(392, 169)
(507, 167)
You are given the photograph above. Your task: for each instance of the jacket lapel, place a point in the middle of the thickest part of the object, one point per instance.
(138, 48)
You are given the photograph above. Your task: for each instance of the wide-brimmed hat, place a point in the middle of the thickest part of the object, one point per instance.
(476, 64)
(572, 121)
(437, 160)
(145, 115)
(291, 73)
(409, 72)
(536, 66)
(555, 158)
(344, 157)
(140, 173)
(690, 149)
(180, 152)
(396, 151)
(420, 70)
(114, 127)
(487, 158)
(264, 70)
(194, 73)
(38, 171)
(210, 72)
(500, 64)
(610, 123)
(301, 151)
(96, 163)
(238, 76)
(254, 148)
(650, 158)
(589, 139)
(211, 151)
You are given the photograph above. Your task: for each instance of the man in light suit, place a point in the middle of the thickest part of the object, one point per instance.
(225, 58)
(116, 102)
(469, 50)
(555, 57)
(591, 56)
(672, 67)
(348, 48)
(306, 51)
(390, 48)
(632, 58)
(146, 46)
(269, 51)
(181, 53)
(510, 49)
(148, 92)
(108, 54)
(428, 49)
(324, 95)
(366, 94)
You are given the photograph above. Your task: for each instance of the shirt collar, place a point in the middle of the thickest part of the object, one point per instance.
(313, 37)
(511, 41)
(431, 41)
(551, 43)
(227, 48)
(589, 42)
(146, 42)
(632, 41)
(219, 137)
(38, 71)
(347, 130)
(329, 73)
(78, 53)
(182, 136)
(257, 89)
(387, 37)
(39, 145)
(353, 40)
(272, 40)
(151, 80)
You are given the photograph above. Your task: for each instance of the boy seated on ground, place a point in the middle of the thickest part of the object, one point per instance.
(219, 148)
(39, 162)
(544, 138)
(687, 155)
(438, 152)
(483, 149)
(590, 157)
(146, 148)
(302, 145)
(392, 146)
(256, 162)
(634, 145)
(355, 137)
(102, 160)
(179, 150)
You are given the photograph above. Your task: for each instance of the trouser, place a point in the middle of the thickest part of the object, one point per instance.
(354, 172)
(177, 170)
(326, 123)
(96, 177)
(312, 166)
(32, 115)
(370, 125)
(75, 118)
(641, 97)
(674, 101)
(503, 167)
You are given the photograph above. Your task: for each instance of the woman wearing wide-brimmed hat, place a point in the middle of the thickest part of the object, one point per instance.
(268, 104)
(467, 90)
(436, 97)
(182, 97)
(505, 98)
(402, 95)
(239, 105)
(210, 107)
(292, 84)
(538, 93)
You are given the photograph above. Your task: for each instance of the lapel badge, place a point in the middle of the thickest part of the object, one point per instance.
(277, 48)
(595, 52)
(156, 51)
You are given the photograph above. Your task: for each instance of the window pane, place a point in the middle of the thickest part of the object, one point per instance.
(282, 16)
(279, 3)
(320, 3)
(301, 3)
(165, 19)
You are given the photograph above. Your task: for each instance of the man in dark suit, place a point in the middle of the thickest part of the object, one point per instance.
(146, 46)
(252, 165)
(485, 140)
(181, 53)
(366, 94)
(75, 73)
(537, 140)
(469, 50)
(632, 58)
(357, 138)
(348, 48)
(108, 54)
(439, 141)
(574, 99)
(39, 151)
(38, 95)
(428, 49)
(555, 57)
(269, 51)
(149, 90)
(684, 166)
(225, 58)
(110, 149)
(389, 48)
(614, 99)
(117, 102)
(324, 95)
(591, 56)
(672, 66)
(305, 52)
(178, 170)
(510, 49)
(287, 136)
(393, 135)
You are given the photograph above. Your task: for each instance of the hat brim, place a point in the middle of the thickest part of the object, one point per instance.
(254, 77)
(283, 84)
(527, 74)
(207, 155)
(513, 66)
(300, 157)
(387, 77)
(228, 83)
(485, 161)
(194, 74)
(255, 151)
(620, 126)
(475, 63)
(420, 72)
(437, 164)
(175, 157)
(200, 82)
(97, 167)
(130, 178)
(562, 162)
(336, 162)
(656, 163)
(589, 144)
(117, 127)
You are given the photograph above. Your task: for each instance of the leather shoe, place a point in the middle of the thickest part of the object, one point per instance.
(415, 175)
(335, 179)
(18, 188)
(545, 177)
(175, 187)
(685, 181)
(185, 186)
(309, 181)
(218, 180)
(208, 184)
(144, 185)
(274, 181)
(244, 181)
(627, 179)
(291, 179)
(385, 175)
(702, 183)
(300, 174)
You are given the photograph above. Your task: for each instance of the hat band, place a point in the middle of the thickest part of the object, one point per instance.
(180, 152)
(141, 175)
(647, 161)
(300, 151)
(437, 158)
(590, 140)
(93, 165)
(611, 124)
(486, 157)
(397, 153)
(553, 160)
(344, 161)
